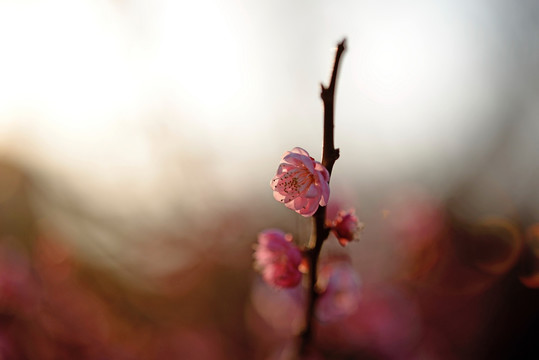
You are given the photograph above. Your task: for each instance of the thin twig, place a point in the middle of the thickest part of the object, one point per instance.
(320, 232)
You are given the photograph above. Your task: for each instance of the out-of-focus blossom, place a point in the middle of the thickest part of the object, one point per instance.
(529, 268)
(288, 350)
(346, 226)
(281, 309)
(385, 325)
(416, 217)
(17, 286)
(417, 224)
(301, 183)
(7, 348)
(278, 258)
(339, 285)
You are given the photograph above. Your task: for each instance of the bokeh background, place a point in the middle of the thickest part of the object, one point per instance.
(138, 139)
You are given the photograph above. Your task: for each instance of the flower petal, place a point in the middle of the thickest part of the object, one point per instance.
(321, 169)
(299, 150)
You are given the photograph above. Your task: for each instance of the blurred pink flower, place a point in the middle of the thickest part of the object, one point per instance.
(387, 323)
(339, 285)
(281, 309)
(301, 182)
(346, 226)
(278, 258)
(17, 285)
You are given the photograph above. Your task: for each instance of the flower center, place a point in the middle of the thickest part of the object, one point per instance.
(295, 182)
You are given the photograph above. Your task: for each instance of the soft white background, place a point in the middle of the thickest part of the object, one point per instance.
(139, 108)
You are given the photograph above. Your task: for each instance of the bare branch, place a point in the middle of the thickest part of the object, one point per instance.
(320, 232)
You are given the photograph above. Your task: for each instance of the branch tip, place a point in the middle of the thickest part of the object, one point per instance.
(342, 45)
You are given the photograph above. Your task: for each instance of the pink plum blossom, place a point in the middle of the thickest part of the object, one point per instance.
(339, 287)
(346, 226)
(278, 258)
(301, 183)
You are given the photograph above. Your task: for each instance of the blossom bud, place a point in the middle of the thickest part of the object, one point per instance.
(346, 226)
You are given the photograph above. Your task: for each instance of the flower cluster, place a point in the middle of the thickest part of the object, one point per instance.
(302, 184)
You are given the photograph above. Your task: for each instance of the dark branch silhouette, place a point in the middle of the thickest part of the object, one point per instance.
(320, 232)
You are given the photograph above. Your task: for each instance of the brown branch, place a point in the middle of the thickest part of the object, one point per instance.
(320, 232)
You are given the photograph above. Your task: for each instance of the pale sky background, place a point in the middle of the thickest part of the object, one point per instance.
(136, 106)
